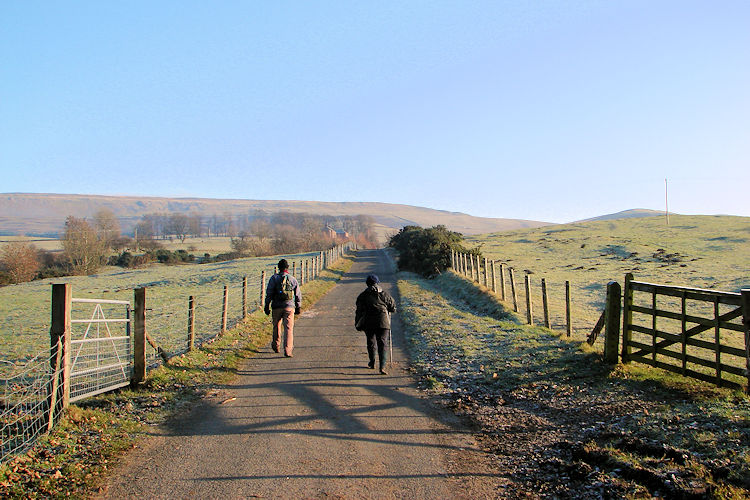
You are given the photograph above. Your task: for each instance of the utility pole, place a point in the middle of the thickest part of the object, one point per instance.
(666, 201)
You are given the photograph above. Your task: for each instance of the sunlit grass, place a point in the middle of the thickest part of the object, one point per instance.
(693, 251)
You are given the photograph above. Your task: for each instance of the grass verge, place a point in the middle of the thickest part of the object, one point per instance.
(74, 458)
(559, 421)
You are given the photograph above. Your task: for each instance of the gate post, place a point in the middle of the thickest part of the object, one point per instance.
(139, 336)
(627, 318)
(612, 323)
(746, 322)
(60, 338)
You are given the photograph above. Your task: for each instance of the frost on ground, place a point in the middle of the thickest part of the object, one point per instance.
(557, 421)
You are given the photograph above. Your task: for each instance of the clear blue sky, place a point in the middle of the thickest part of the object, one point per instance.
(544, 110)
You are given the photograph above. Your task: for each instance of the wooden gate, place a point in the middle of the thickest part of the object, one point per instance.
(694, 332)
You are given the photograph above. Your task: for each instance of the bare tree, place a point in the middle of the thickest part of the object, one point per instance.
(195, 222)
(178, 225)
(82, 246)
(261, 229)
(107, 226)
(19, 258)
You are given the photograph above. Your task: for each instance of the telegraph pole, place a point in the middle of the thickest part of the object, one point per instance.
(666, 201)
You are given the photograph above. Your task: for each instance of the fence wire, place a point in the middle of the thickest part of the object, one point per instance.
(29, 385)
(25, 405)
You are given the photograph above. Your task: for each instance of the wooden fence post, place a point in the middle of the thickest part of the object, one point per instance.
(568, 324)
(262, 290)
(224, 307)
(502, 281)
(244, 298)
(612, 323)
(486, 273)
(627, 318)
(545, 303)
(139, 336)
(191, 324)
(513, 289)
(494, 277)
(746, 321)
(471, 261)
(60, 332)
(529, 312)
(294, 269)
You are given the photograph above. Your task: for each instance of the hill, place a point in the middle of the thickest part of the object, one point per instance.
(626, 214)
(700, 251)
(44, 214)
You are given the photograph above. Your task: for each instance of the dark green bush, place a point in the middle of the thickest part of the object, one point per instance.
(426, 251)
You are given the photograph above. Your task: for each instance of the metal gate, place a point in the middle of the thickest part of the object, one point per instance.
(101, 347)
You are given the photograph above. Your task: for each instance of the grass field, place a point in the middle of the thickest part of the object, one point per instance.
(196, 246)
(694, 251)
(25, 308)
(536, 396)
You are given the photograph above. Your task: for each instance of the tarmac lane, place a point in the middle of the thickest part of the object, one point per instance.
(317, 425)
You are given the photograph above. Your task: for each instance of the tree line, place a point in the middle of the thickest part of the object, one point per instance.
(88, 244)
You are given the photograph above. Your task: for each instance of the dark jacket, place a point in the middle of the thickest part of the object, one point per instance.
(273, 289)
(375, 304)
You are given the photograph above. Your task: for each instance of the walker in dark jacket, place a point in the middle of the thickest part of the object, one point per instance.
(374, 308)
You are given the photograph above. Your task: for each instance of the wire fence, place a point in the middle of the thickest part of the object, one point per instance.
(560, 305)
(31, 404)
(25, 405)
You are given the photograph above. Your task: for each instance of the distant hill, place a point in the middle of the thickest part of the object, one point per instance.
(627, 214)
(44, 214)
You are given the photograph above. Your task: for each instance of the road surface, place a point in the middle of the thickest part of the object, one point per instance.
(318, 425)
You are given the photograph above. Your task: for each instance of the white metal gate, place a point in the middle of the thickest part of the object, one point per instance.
(101, 347)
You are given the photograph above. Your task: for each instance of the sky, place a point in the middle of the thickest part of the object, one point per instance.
(543, 110)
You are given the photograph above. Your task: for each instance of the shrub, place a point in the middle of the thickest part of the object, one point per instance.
(20, 261)
(426, 251)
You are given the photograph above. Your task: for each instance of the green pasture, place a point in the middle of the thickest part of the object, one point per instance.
(693, 251)
(49, 244)
(196, 246)
(25, 308)
(465, 344)
(711, 252)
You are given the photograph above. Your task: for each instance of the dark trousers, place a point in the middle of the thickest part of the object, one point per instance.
(377, 336)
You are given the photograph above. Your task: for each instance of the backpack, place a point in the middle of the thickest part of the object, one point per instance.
(286, 292)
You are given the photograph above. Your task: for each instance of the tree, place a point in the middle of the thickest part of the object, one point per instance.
(241, 245)
(107, 227)
(178, 225)
(426, 251)
(82, 246)
(19, 258)
(195, 222)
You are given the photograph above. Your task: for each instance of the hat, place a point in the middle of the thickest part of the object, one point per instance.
(371, 280)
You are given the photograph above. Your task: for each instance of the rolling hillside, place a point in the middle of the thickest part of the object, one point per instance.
(44, 214)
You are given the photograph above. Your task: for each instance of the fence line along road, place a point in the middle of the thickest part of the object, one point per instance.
(108, 346)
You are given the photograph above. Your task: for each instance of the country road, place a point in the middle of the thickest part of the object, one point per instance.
(318, 425)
